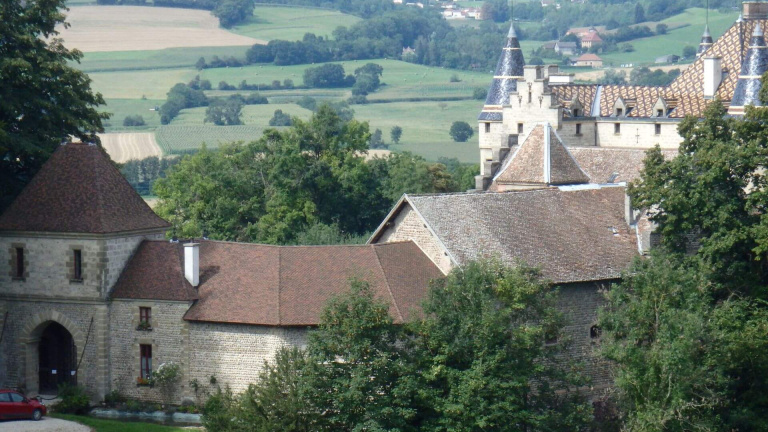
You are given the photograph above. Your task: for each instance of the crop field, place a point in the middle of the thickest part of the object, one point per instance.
(123, 147)
(291, 23)
(648, 49)
(105, 61)
(177, 139)
(121, 108)
(137, 28)
(252, 114)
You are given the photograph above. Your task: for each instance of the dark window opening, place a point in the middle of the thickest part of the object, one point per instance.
(519, 128)
(578, 128)
(550, 339)
(617, 128)
(595, 332)
(146, 361)
(530, 96)
(660, 113)
(657, 129)
(145, 315)
(20, 262)
(78, 262)
(576, 113)
(619, 112)
(487, 127)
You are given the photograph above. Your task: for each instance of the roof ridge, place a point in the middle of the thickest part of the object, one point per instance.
(386, 281)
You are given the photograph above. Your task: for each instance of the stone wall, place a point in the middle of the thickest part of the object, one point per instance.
(637, 134)
(408, 225)
(169, 338)
(235, 353)
(586, 138)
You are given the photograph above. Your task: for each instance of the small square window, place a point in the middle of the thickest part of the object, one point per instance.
(578, 128)
(78, 264)
(657, 129)
(617, 128)
(146, 361)
(519, 128)
(487, 127)
(19, 271)
(660, 113)
(619, 112)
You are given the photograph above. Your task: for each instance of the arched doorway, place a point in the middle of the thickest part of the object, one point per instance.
(57, 358)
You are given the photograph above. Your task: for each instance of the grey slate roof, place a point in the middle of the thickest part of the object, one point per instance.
(508, 70)
(574, 234)
(754, 66)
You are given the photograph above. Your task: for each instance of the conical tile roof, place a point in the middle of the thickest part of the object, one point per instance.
(706, 42)
(541, 159)
(752, 69)
(79, 190)
(508, 70)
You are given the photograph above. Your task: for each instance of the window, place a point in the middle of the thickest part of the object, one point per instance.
(578, 128)
(145, 316)
(487, 127)
(660, 113)
(519, 128)
(530, 96)
(17, 398)
(5, 397)
(617, 128)
(146, 361)
(619, 112)
(19, 262)
(657, 129)
(78, 264)
(576, 112)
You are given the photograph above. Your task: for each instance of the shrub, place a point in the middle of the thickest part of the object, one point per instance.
(480, 93)
(73, 400)
(395, 134)
(256, 99)
(165, 378)
(134, 120)
(455, 78)
(280, 119)
(536, 61)
(223, 85)
(357, 100)
(219, 411)
(461, 131)
(114, 398)
(307, 102)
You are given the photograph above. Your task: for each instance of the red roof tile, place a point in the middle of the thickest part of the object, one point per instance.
(79, 190)
(155, 272)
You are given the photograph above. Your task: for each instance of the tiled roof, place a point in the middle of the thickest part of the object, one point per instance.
(277, 285)
(79, 190)
(155, 272)
(601, 163)
(589, 57)
(750, 78)
(591, 37)
(541, 159)
(573, 234)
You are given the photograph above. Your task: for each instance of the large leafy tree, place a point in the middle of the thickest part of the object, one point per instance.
(43, 101)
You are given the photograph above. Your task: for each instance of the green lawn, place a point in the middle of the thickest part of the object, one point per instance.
(252, 114)
(154, 59)
(287, 23)
(120, 108)
(102, 425)
(648, 49)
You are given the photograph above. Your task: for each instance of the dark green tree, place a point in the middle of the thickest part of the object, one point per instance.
(406, 172)
(225, 111)
(280, 119)
(461, 131)
(396, 133)
(689, 52)
(639, 13)
(43, 100)
(377, 141)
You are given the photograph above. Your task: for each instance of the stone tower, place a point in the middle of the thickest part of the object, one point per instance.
(755, 64)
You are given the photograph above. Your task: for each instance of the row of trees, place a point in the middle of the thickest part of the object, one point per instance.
(274, 189)
(640, 76)
(142, 174)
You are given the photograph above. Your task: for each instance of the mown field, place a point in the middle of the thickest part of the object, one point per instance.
(287, 23)
(121, 108)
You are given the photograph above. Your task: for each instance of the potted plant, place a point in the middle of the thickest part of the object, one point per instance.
(144, 326)
(142, 381)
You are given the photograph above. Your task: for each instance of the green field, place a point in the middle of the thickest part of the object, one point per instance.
(120, 108)
(154, 59)
(174, 139)
(648, 49)
(290, 23)
(252, 114)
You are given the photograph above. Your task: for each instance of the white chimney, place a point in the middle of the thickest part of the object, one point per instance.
(192, 263)
(713, 75)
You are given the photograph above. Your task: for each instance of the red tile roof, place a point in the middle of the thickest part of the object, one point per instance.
(589, 57)
(591, 37)
(79, 190)
(280, 285)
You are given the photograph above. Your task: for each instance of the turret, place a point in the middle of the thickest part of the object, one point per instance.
(509, 69)
(706, 42)
(752, 69)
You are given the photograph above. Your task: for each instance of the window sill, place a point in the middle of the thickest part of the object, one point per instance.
(19, 279)
(617, 134)
(76, 281)
(144, 385)
(146, 329)
(578, 134)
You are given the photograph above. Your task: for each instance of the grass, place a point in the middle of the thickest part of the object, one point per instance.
(403, 79)
(120, 108)
(648, 49)
(168, 58)
(287, 23)
(175, 139)
(102, 425)
(252, 114)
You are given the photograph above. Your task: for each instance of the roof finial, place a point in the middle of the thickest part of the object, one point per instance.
(512, 33)
(706, 31)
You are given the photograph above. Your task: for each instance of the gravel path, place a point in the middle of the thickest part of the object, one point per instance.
(47, 424)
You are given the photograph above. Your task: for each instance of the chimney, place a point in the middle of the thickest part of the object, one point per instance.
(713, 75)
(754, 10)
(192, 263)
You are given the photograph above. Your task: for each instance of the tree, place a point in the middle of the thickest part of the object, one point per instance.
(280, 119)
(661, 29)
(481, 347)
(689, 52)
(406, 172)
(134, 120)
(612, 77)
(327, 75)
(231, 12)
(200, 64)
(639, 13)
(479, 93)
(43, 101)
(376, 140)
(225, 111)
(396, 133)
(461, 131)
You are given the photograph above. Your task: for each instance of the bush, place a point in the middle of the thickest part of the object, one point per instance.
(219, 411)
(661, 29)
(223, 85)
(480, 93)
(307, 102)
(114, 398)
(256, 99)
(461, 131)
(357, 100)
(74, 400)
(134, 120)
(280, 119)
(454, 78)
(536, 61)
(165, 378)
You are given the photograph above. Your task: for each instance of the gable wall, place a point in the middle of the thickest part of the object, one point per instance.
(408, 225)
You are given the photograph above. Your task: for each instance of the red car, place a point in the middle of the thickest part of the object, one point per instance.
(14, 405)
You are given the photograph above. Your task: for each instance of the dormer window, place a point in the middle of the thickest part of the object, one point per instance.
(619, 112)
(576, 112)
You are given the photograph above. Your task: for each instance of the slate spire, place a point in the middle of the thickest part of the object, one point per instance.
(508, 70)
(754, 66)
(706, 42)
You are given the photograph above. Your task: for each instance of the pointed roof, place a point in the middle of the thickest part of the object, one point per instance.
(508, 70)
(79, 190)
(752, 69)
(541, 159)
(706, 42)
